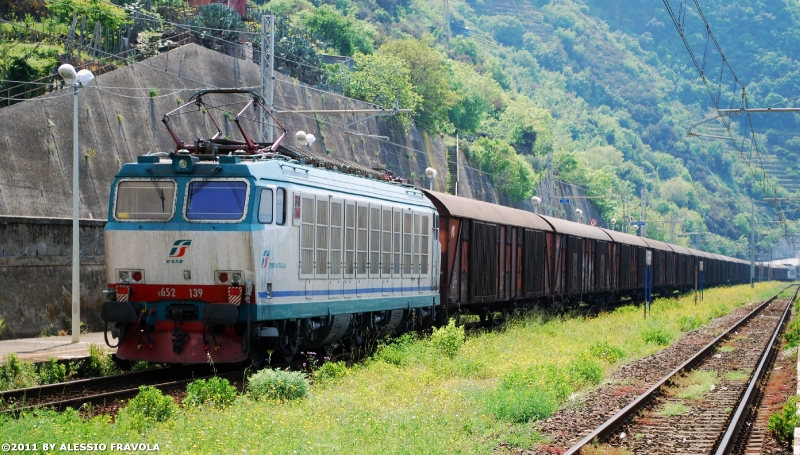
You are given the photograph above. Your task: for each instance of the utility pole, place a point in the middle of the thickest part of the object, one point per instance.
(643, 217)
(263, 67)
(672, 229)
(752, 243)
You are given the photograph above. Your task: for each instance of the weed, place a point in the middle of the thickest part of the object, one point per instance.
(16, 374)
(583, 371)
(792, 333)
(688, 323)
(330, 373)
(520, 405)
(154, 92)
(179, 101)
(737, 375)
(119, 117)
(657, 335)
(717, 311)
(148, 407)
(52, 372)
(673, 408)
(278, 385)
(214, 392)
(726, 348)
(2, 325)
(695, 385)
(99, 363)
(141, 365)
(782, 423)
(606, 352)
(448, 339)
(396, 352)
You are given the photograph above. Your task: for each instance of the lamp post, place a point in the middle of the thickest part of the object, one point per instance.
(305, 138)
(579, 214)
(536, 201)
(613, 223)
(77, 79)
(431, 173)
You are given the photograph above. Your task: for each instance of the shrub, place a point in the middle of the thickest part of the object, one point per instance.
(657, 335)
(330, 373)
(583, 371)
(2, 325)
(688, 323)
(52, 372)
(99, 363)
(215, 392)
(278, 385)
(16, 374)
(606, 352)
(524, 395)
(148, 407)
(792, 334)
(397, 352)
(782, 423)
(448, 339)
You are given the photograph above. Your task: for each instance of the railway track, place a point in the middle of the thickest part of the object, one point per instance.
(105, 390)
(702, 405)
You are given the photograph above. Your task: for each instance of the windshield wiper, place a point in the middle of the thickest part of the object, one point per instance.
(194, 189)
(160, 191)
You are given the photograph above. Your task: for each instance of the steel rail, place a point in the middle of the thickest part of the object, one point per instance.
(615, 421)
(731, 436)
(46, 395)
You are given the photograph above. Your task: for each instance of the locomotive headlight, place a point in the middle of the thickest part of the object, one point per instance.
(182, 164)
(124, 275)
(237, 277)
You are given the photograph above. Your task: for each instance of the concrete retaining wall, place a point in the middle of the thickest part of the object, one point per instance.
(36, 274)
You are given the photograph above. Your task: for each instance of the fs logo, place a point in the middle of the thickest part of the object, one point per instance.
(265, 259)
(179, 248)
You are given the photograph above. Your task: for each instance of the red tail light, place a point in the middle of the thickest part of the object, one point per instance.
(223, 277)
(137, 276)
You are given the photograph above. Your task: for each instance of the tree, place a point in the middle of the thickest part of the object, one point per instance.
(378, 78)
(344, 34)
(507, 30)
(111, 17)
(509, 172)
(428, 78)
(222, 23)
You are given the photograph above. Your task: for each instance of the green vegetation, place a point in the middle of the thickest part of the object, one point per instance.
(792, 334)
(99, 363)
(17, 374)
(673, 408)
(146, 409)
(409, 396)
(448, 339)
(212, 392)
(695, 385)
(277, 385)
(783, 423)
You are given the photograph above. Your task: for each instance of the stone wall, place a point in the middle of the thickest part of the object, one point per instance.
(36, 274)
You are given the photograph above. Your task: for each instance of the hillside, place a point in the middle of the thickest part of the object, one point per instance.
(606, 93)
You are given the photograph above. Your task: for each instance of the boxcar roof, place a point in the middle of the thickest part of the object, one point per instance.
(701, 254)
(577, 229)
(449, 205)
(657, 244)
(680, 249)
(622, 237)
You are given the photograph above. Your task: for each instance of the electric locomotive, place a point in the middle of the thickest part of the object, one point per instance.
(228, 250)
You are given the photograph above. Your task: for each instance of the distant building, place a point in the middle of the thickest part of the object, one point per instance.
(342, 60)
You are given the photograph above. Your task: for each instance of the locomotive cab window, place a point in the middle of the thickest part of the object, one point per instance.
(280, 206)
(151, 200)
(216, 200)
(265, 206)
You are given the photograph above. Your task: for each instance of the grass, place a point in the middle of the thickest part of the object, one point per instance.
(673, 408)
(695, 385)
(412, 396)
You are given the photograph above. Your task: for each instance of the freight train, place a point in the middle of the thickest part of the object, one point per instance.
(232, 250)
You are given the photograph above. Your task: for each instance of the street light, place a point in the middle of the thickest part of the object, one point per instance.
(305, 138)
(77, 79)
(579, 214)
(613, 223)
(431, 173)
(536, 200)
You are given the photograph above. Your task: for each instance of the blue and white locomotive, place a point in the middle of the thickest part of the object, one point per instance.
(230, 249)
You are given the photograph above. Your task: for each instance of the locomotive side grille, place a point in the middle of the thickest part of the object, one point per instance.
(307, 237)
(322, 238)
(386, 243)
(424, 244)
(362, 237)
(350, 239)
(336, 238)
(407, 237)
(374, 240)
(396, 241)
